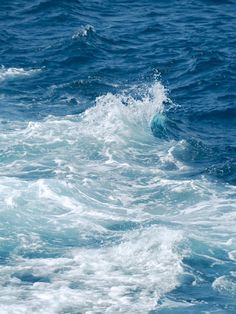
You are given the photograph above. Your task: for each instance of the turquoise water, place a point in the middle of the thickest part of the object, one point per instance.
(117, 164)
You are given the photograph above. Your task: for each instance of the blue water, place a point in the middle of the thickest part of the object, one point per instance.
(117, 157)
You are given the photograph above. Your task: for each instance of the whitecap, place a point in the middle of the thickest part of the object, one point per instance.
(102, 204)
(83, 31)
(7, 73)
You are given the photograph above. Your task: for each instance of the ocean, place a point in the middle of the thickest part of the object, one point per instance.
(117, 157)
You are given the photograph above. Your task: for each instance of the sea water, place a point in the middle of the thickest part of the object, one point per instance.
(117, 157)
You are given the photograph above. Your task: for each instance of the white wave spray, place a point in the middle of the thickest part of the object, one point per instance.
(97, 222)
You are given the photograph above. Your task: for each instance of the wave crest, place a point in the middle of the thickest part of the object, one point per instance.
(84, 31)
(7, 73)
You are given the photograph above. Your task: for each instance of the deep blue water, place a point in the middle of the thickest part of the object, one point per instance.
(117, 156)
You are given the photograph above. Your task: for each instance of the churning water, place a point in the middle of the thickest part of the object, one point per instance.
(117, 157)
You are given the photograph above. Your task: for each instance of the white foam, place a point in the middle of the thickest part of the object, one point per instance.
(232, 255)
(6, 73)
(83, 31)
(225, 285)
(90, 179)
(127, 277)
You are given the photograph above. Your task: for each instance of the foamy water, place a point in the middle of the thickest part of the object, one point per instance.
(110, 227)
(117, 157)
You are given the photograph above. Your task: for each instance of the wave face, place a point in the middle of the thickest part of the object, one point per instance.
(117, 157)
